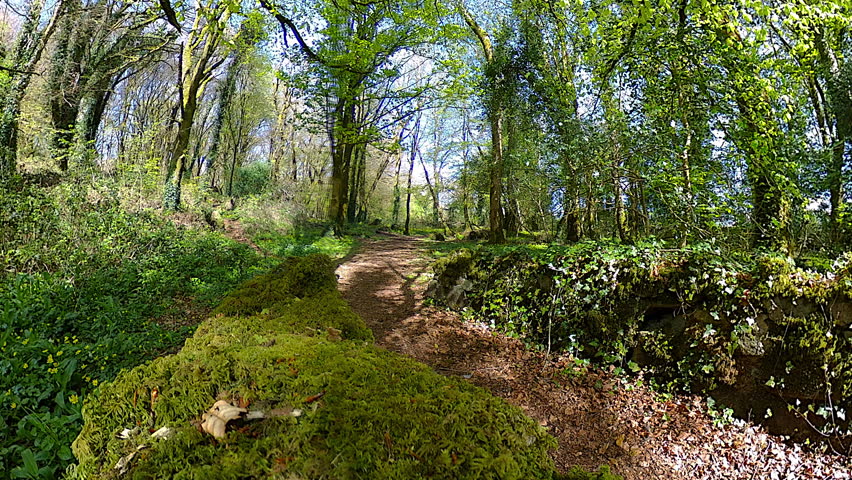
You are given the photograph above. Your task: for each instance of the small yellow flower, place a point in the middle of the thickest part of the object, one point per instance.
(14, 405)
(59, 353)
(26, 365)
(26, 341)
(52, 370)
(50, 359)
(95, 382)
(73, 399)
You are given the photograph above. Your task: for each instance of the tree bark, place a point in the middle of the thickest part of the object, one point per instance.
(415, 145)
(27, 52)
(495, 117)
(194, 74)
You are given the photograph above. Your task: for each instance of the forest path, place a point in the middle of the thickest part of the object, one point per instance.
(595, 420)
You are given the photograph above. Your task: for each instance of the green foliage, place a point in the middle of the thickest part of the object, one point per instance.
(694, 319)
(380, 415)
(252, 179)
(304, 241)
(84, 279)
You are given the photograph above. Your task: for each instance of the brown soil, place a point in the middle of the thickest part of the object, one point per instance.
(234, 230)
(596, 417)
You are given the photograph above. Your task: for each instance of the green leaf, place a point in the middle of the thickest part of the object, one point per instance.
(30, 469)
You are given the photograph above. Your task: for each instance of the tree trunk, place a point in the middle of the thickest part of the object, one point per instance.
(465, 181)
(226, 94)
(436, 205)
(840, 110)
(620, 220)
(415, 145)
(174, 176)
(397, 194)
(64, 81)
(571, 201)
(28, 49)
(766, 174)
(342, 149)
(407, 230)
(194, 74)
(356, 173)
(495, 212)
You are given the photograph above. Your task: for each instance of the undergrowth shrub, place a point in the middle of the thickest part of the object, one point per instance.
(83, 280)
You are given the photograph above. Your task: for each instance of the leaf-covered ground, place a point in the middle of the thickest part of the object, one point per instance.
(596, 417)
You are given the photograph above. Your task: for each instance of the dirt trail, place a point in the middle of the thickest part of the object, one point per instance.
(593, 416)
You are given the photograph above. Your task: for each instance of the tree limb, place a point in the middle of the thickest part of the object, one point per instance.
(166, 6)
(624, 51)
(14, 70)
(287, 24)
(481, 35)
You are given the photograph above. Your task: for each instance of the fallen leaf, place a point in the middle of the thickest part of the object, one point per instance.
(127, 433)
(314, 398)
(163, 433)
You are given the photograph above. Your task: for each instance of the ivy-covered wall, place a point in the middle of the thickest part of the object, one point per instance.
(759, 334)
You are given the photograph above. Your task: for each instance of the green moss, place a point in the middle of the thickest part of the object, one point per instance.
(301, 316)
(380, 415)
(457, 264)
(295, 278)
(370, 395)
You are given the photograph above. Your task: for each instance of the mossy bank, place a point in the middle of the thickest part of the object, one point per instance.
(757, 334)
(287, 342)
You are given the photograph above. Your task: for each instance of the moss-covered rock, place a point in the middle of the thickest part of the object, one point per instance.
(364, 412)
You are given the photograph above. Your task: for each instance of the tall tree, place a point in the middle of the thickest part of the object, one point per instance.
(97, 42)
(496, 116)
(20, 68)
(759, 135)
(354, 53)
(198, 48)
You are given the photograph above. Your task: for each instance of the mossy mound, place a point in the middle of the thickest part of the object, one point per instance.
(296, 277)
(364, 412)
(318, 314)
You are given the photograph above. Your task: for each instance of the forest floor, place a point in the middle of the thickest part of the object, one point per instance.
(595, 419)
